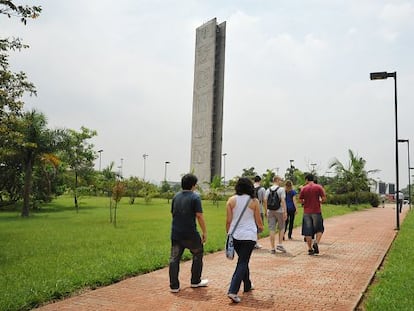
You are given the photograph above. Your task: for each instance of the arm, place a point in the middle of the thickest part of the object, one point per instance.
(323, 196)
(265, 204)
(295, 203)
(257, 217)
(202, 223)
(283, 203)
(229, 207)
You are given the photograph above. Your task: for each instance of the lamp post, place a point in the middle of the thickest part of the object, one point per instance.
(145, 158)
(165, 170)
(224, 168)
(100, 157)
(380, 76)
(408, 157)
(313, 167)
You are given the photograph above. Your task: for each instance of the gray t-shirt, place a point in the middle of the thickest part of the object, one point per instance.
(261, 193)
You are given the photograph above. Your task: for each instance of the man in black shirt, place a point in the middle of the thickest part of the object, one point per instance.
(185, 209)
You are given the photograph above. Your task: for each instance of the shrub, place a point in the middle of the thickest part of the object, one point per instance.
(354, 198)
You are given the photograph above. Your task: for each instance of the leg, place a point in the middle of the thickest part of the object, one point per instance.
(174, 267)
(318, 226)
(271, 218)
(308, 231)
(286, 223)
(281, 227)
(318, 229)
(291, 216)
(196, 248)
(244, 250)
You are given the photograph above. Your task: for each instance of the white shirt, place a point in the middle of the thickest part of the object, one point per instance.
(246, 229)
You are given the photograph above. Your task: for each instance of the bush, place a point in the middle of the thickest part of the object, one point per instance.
(354, 198)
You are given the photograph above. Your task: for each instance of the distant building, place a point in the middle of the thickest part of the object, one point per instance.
(207, 122)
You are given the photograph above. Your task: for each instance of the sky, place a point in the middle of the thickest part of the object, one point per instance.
(296, 87)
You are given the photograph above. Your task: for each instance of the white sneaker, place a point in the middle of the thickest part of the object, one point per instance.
(234, 298)
(174, 290)
(281, 248)
(203, 283)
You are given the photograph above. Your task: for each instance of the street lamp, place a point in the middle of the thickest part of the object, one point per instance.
(165, 170)
(408, 157)
(100, 157)
(224, 168)
(291, 163)
(145, 157)
(380, 76)
(313, 167)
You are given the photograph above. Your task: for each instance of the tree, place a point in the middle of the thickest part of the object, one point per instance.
(9, 9)
(35, 141)
(12, 85)
(12, 88)
(79, 155)
(133, 185)
(117, 193)
(249, 173)
(216, 187)
(353, 177)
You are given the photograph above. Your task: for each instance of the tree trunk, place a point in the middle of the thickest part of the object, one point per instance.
(27, 186)
(76, 191)
(116, 205)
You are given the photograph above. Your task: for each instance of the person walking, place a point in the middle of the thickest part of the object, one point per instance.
(185, 209)
(259, 193)
(311, 196)
(245, 234)
(275, 207)
(400, 197)
(291, 208)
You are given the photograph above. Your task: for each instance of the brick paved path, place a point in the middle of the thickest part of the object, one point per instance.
(351, 250)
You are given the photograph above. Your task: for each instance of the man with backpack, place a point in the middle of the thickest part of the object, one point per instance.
(275, 208)
(259, 193)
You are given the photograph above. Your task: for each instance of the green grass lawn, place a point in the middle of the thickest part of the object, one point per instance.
(393, 286)
(56, 251)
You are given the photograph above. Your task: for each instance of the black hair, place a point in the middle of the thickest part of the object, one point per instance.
(188, 181)
(244, 186)
(309, 177)
(257, 178)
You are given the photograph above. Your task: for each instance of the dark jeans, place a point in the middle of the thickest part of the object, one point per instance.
(400, 205)
(244, 249)
(289, 222)
(195, 246)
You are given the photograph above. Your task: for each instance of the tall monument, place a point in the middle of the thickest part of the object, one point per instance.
(207, 125)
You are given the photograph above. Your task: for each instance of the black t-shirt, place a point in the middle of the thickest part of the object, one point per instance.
(184, 207)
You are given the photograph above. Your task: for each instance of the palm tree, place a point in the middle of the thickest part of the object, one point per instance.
(351, 178)
(35, 141)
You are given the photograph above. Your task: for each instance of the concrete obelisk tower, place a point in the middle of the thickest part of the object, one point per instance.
(207, 124)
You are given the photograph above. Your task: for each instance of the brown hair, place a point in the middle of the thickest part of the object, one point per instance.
(288, 185)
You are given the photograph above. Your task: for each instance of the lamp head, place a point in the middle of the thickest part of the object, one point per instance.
(382, 75)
